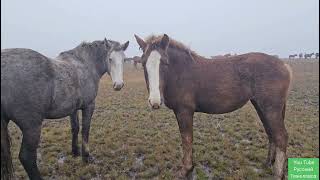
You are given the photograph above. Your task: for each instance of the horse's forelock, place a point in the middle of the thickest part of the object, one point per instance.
(156, 39)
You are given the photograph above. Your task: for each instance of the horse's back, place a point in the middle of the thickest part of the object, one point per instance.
(269, 77)
(227, 84)
(26, 77)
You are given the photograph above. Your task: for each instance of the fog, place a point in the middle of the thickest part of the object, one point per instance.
(207, 27)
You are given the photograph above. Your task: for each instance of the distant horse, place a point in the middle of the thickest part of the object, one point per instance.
(306, 55)
(317, 55)
(292, 56)
(136, 60)
(223, 56)
(35, 87)
(227, 55)
(300, 55)
(187, 82)
(217, 57)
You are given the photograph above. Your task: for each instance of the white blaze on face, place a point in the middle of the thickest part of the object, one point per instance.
(116, 67)
(152, 66)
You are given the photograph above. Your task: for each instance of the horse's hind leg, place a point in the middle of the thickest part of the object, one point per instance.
(280, 137)
(28, 150)
(272, 146)
(86, 121)
(74, 120)
(274, 117)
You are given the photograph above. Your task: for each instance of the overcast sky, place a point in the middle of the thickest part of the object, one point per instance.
(210, 27)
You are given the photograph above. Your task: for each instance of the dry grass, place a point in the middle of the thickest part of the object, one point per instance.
(129, 141)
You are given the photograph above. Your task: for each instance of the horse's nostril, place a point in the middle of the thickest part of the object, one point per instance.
(155, 106)
(117, 86)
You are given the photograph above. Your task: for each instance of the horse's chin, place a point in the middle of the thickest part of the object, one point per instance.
(155, 108)
(117, 89)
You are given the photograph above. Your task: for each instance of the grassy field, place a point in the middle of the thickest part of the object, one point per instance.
(129, 141)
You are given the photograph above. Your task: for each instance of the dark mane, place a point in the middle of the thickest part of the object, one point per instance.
(155, 39)
(84, 49)
(82, 45)
(86, 46)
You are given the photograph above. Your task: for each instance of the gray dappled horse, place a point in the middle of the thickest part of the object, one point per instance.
(35, 87)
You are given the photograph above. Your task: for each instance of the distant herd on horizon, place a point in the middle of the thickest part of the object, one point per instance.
(304, 56)
(35, 87)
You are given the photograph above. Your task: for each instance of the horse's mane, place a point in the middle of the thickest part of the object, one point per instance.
(84, 45)
(87, 45)
(155, 39)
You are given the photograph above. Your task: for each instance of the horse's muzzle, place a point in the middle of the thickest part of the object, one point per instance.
(155, 105)
(118, 86)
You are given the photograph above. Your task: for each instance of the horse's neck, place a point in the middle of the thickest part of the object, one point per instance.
(187, 62)
(81, 63)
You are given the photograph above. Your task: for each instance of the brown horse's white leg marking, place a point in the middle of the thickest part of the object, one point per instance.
(279, 163)
(271, 154)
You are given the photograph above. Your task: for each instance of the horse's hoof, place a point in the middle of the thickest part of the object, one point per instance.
(278, 178)
(75, 152)
(180, 175)
(88, 159)
(268, 164)
(184, 174)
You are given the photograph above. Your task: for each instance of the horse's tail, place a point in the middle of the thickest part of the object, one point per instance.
(6, 160)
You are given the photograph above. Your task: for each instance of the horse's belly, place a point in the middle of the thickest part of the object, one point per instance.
(64, 104)
(63, 110)
(220, 107)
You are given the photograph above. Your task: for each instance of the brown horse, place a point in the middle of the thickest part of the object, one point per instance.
(292, 56)
(186, 83)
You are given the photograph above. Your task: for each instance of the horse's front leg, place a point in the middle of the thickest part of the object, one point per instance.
(185, 122)
(86, 121)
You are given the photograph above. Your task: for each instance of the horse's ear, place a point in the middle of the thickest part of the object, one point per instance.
(141, 42)
(107, 43)
(164, 42)
(125, 45)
